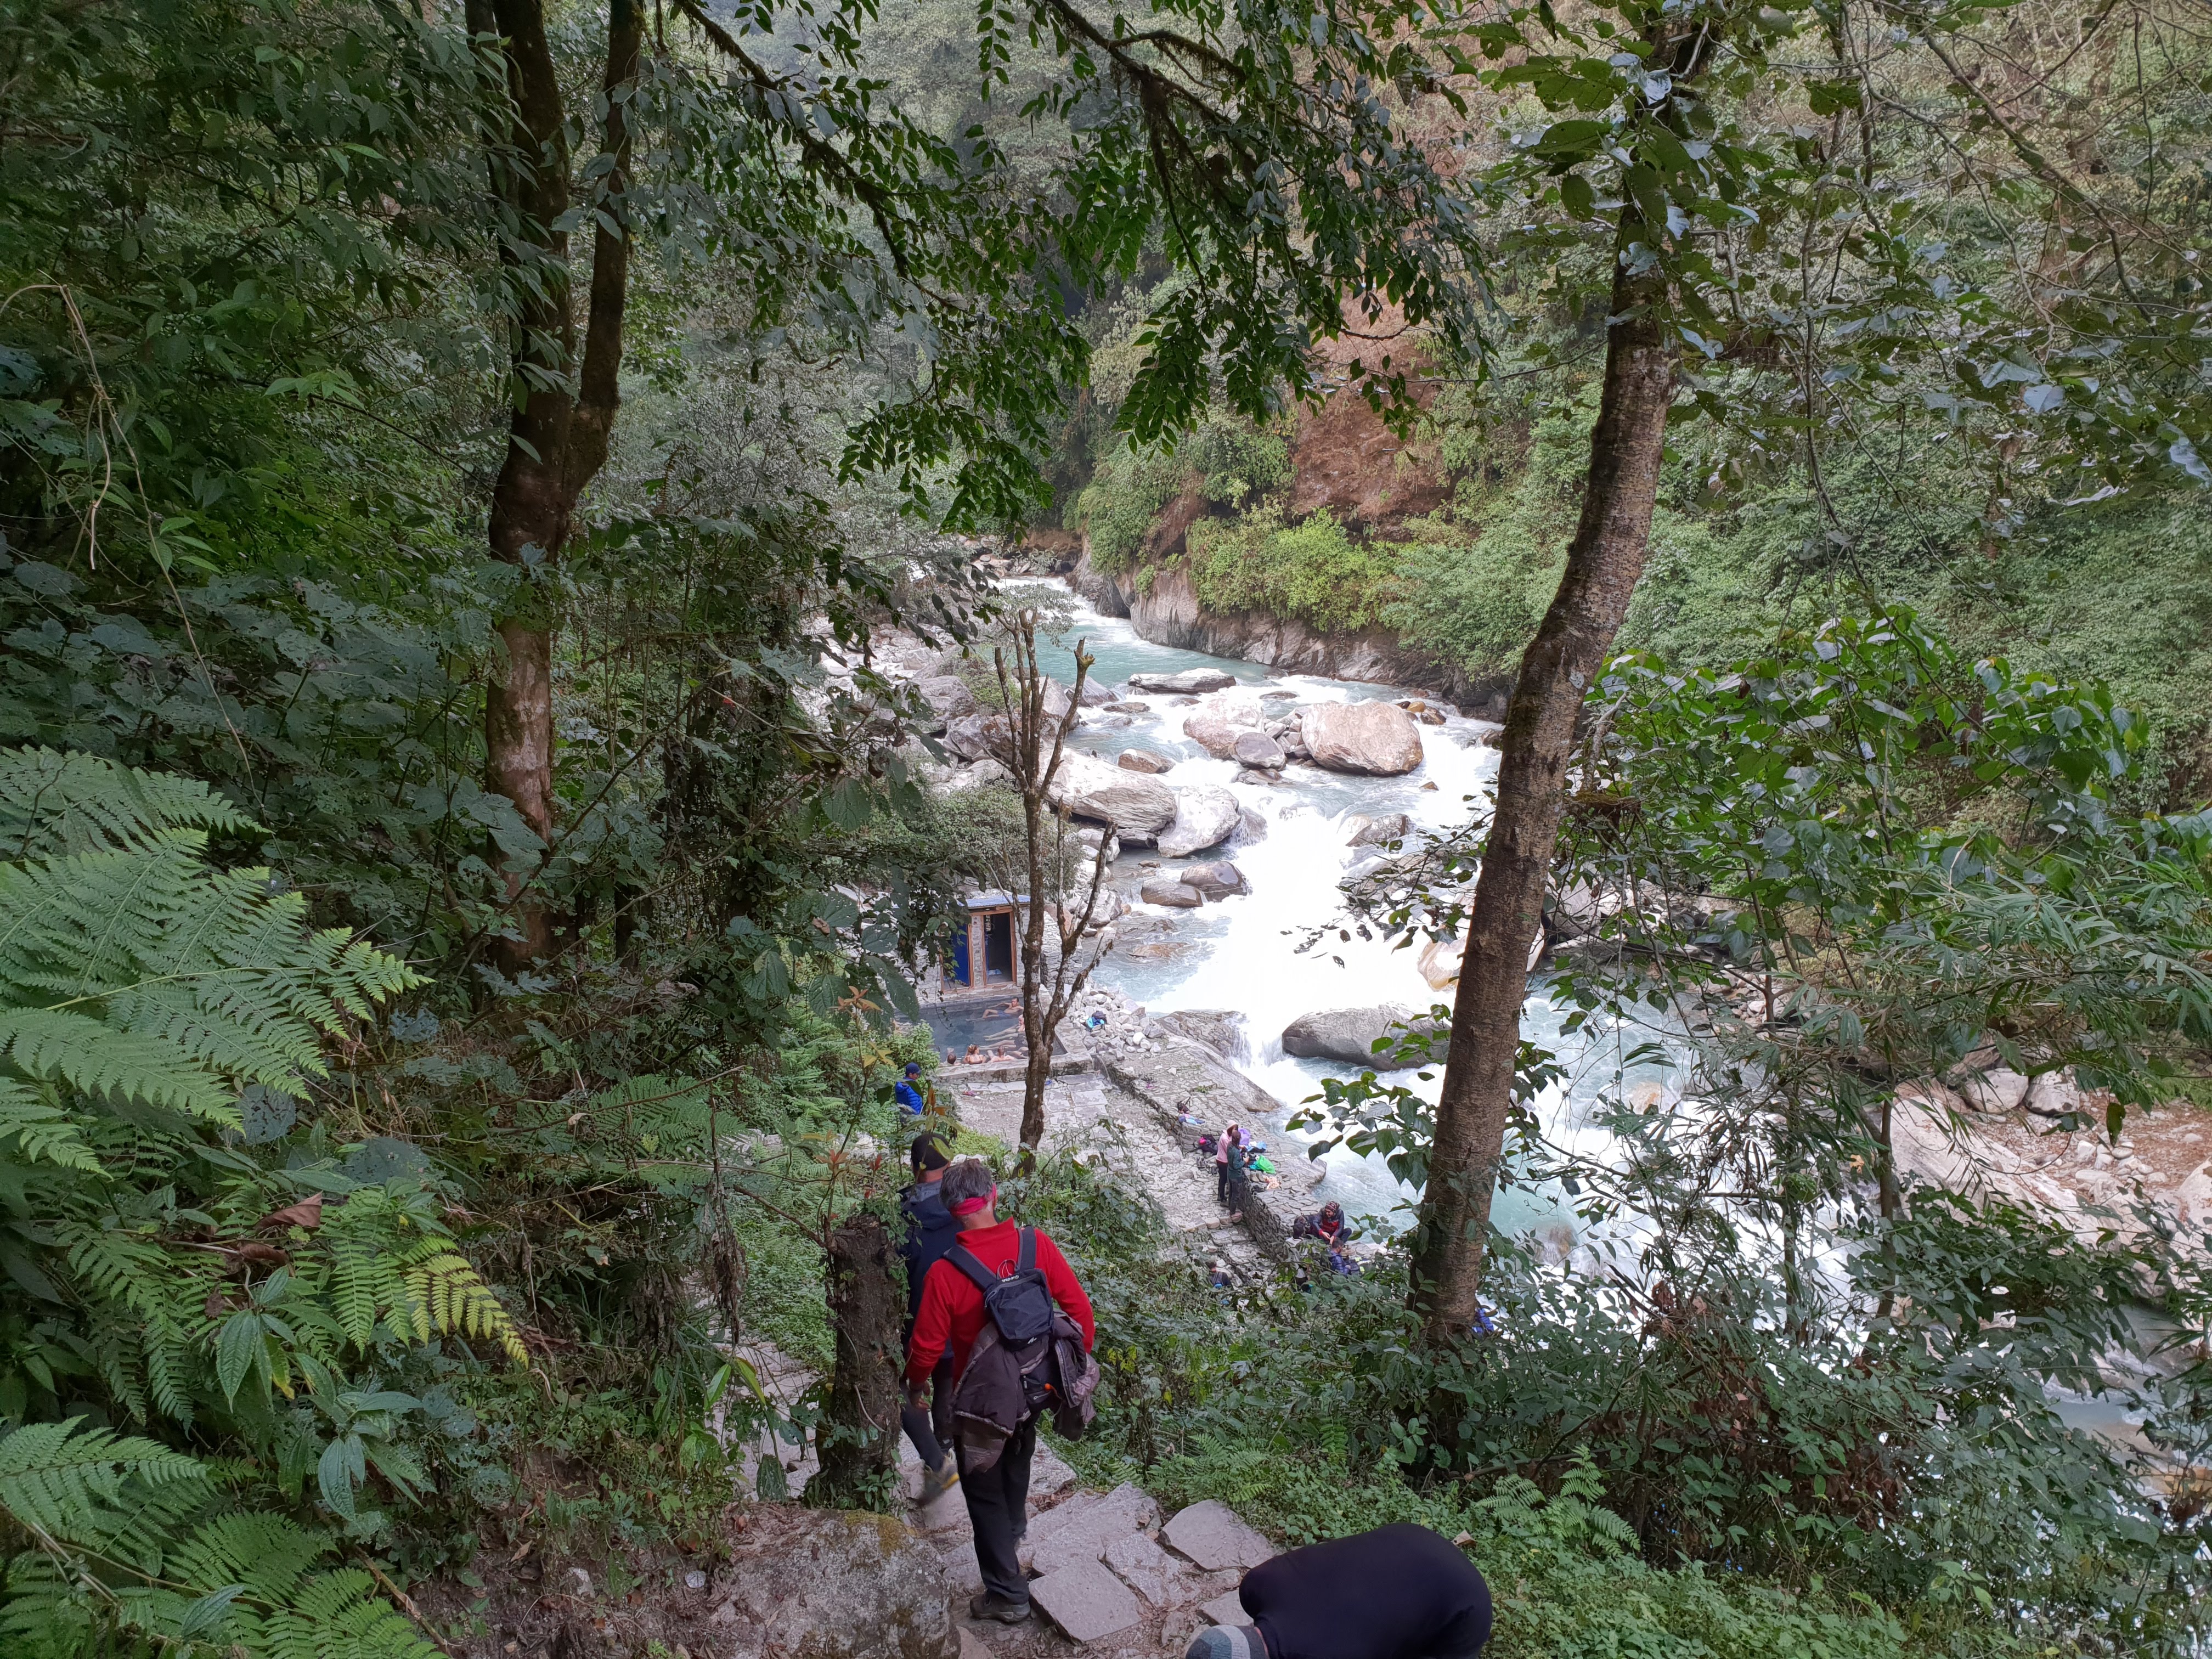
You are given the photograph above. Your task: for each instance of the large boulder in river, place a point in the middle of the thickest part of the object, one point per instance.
(1378, 739)
(1095, 696)
(1173, 894)
(1207, 728)
(1142, 760)
(1257, 749)
(1205, 816)
(1190, 682)
(1349, 1035)
(834, 1584)
(1138, 807)
(1216, 881)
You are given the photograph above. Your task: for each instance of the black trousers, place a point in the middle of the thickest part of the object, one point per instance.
(931, 1430)
(998, 1509)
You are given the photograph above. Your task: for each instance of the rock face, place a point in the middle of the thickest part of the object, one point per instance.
(1377, 831)
(1190, 682)
(835, 1584)
(1376, 739)
(1173, 894)
(1257, 749)
(1217, 881)
(1142, 760)
(1138, 807)
(1349, 1035)
(1204, 817)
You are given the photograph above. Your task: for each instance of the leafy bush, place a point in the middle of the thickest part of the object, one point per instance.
(1311, 572)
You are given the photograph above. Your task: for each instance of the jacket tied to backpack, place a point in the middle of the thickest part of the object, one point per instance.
(1028, 1360)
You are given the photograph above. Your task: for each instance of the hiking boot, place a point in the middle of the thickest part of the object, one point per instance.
(935, 1483)
(991, 1605)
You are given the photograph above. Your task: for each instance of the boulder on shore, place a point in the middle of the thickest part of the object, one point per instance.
(1173, 894)
(1142, 760)
(1349, 1035)
(1216, 881)
(947, 695)
(1221, 1029)
(1376, 739)
(1188, 683)
(1137, 806)
(1204, 817)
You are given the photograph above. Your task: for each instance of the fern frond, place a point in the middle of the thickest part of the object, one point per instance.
(269, 1554)
(338, 1615)
(95, 1489)
(87, 1054)
(52, 803)
(449, 1294)
(43, 1133)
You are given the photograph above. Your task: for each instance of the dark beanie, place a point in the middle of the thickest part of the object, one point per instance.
(928, 1154)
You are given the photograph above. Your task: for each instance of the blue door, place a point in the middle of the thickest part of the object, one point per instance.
(961, 974)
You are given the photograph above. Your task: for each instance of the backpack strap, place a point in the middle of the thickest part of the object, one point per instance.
(970, 1264)
(1026, 1262)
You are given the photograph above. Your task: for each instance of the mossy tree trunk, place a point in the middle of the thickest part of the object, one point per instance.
(857, 1436)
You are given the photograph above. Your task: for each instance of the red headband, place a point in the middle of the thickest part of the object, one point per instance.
(969, 1206)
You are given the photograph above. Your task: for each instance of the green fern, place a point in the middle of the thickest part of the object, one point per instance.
(52, 803)
(122, 1544)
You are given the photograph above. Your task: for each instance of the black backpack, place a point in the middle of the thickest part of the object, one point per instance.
(1020, 1307)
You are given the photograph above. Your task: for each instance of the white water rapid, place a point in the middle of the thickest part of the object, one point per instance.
(1240, 953)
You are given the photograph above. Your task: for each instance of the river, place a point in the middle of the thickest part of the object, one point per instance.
(1241, 953)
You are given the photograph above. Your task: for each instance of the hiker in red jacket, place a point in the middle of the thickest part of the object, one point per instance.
(952, 1312)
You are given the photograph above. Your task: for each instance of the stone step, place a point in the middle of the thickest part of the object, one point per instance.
(1088, 1603)
(1214, 1536)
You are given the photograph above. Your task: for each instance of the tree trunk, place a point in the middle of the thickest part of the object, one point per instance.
(557, 439)
(1603, 562)
(858, 1437)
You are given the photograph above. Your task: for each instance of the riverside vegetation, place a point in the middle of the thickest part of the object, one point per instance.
(460, 857)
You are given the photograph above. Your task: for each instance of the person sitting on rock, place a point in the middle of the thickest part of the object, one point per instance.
(1399, 1592)
(1327, 1225)
(951, 1315)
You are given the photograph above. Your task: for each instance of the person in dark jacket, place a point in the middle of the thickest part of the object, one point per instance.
(930, 1231)
(1399, 1592)
(952, 1318)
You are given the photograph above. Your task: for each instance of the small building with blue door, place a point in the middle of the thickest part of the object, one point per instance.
(985, 958)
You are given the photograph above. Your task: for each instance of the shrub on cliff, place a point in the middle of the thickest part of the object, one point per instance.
(1311, 572)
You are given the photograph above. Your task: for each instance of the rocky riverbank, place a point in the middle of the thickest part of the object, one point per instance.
(1167, 612)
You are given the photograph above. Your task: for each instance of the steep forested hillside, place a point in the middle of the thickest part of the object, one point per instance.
(510, 690)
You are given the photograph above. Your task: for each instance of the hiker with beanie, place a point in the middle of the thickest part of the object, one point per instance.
(930, 1230)
(1399, 1592)
(990, 1301)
